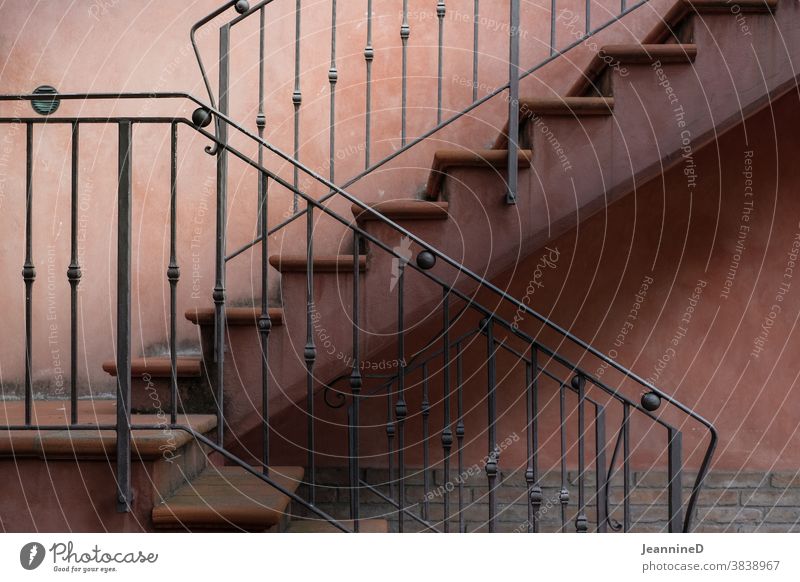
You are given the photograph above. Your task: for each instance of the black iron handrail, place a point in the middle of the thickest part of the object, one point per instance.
(221, 147)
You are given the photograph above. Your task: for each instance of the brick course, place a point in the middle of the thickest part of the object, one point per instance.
(729, 502)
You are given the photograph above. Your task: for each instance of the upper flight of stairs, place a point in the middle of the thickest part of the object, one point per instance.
(616, 132)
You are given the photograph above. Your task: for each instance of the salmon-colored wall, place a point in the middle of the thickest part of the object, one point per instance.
(96, 46)
(692, 287)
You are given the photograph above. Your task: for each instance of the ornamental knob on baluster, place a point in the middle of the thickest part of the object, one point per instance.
(651, 401)
(426, 260)
(201, 117)
(242, 6)
(536, 496)
(563, 496)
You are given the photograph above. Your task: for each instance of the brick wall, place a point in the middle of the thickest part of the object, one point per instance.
(729, 502)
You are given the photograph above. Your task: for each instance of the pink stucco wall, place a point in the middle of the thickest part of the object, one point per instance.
(94, 45)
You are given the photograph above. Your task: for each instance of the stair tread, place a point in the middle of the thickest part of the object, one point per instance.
(455, 158)
(319, 526)
(160, 367)
(565, 106)
(631, 53)
(236, 316)
(404, 210)
(90, 443)
(662, 31)
(297, 263)
(228, 498)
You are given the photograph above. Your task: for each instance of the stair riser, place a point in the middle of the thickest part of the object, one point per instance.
(78, 496)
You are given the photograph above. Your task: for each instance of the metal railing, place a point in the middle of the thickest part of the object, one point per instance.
(571, 377)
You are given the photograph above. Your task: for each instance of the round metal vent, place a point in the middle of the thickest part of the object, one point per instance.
(45, 106)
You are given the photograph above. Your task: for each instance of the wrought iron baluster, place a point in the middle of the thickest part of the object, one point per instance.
(355, 388)
(264, 319)
(221, 226)
(532, 471)
(426, 435)
(626, 467)
(447, 433)
(310, 353)
(563, 495)
(513, 104)
(552, 27)
(535, 489)
(529, 476)
(581, 521)
(333, 77)
(123, 421)
(475, 43)
(493, 453)
(460, 433)
(297, 99)
(588, 16)
(28, 273)
(674, 487)
(401, 408)
(173, 273)
(440, 13)
(74, 276)
(405, 32)
(369, 56)
(391, 431)
(601, 485)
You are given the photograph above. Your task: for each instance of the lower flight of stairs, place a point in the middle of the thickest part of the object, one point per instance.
(234, 499)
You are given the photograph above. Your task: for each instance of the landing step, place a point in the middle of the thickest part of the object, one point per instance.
(558, 106)
(444, 160)
(89, 443)
(235, 316)
(404, 210)
(675, 16)
(228, 498)
(318, 526)
(159, 367)
(631, 54)
(297, 263)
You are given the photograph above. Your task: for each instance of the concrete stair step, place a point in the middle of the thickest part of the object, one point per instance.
(559, 106)
(228, 498)
(319, 526)
(297, 263)
(444, 160)
(630, 54)
(236, 316)
(670, 26)
(148, 444)
(160, 367)
(404, 210)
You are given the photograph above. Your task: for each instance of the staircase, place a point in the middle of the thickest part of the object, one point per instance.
(284, 426)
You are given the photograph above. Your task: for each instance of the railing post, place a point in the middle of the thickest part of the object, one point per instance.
(601, 485)
(581, 521)
(222, 202)
(264, 320)
(675, 492)
(28, 273)
(492, 460)
(124, 497)
(173, 274)
(401, 408)
(447, 431)
(355, 389)
(513, 104)
(74, 277)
